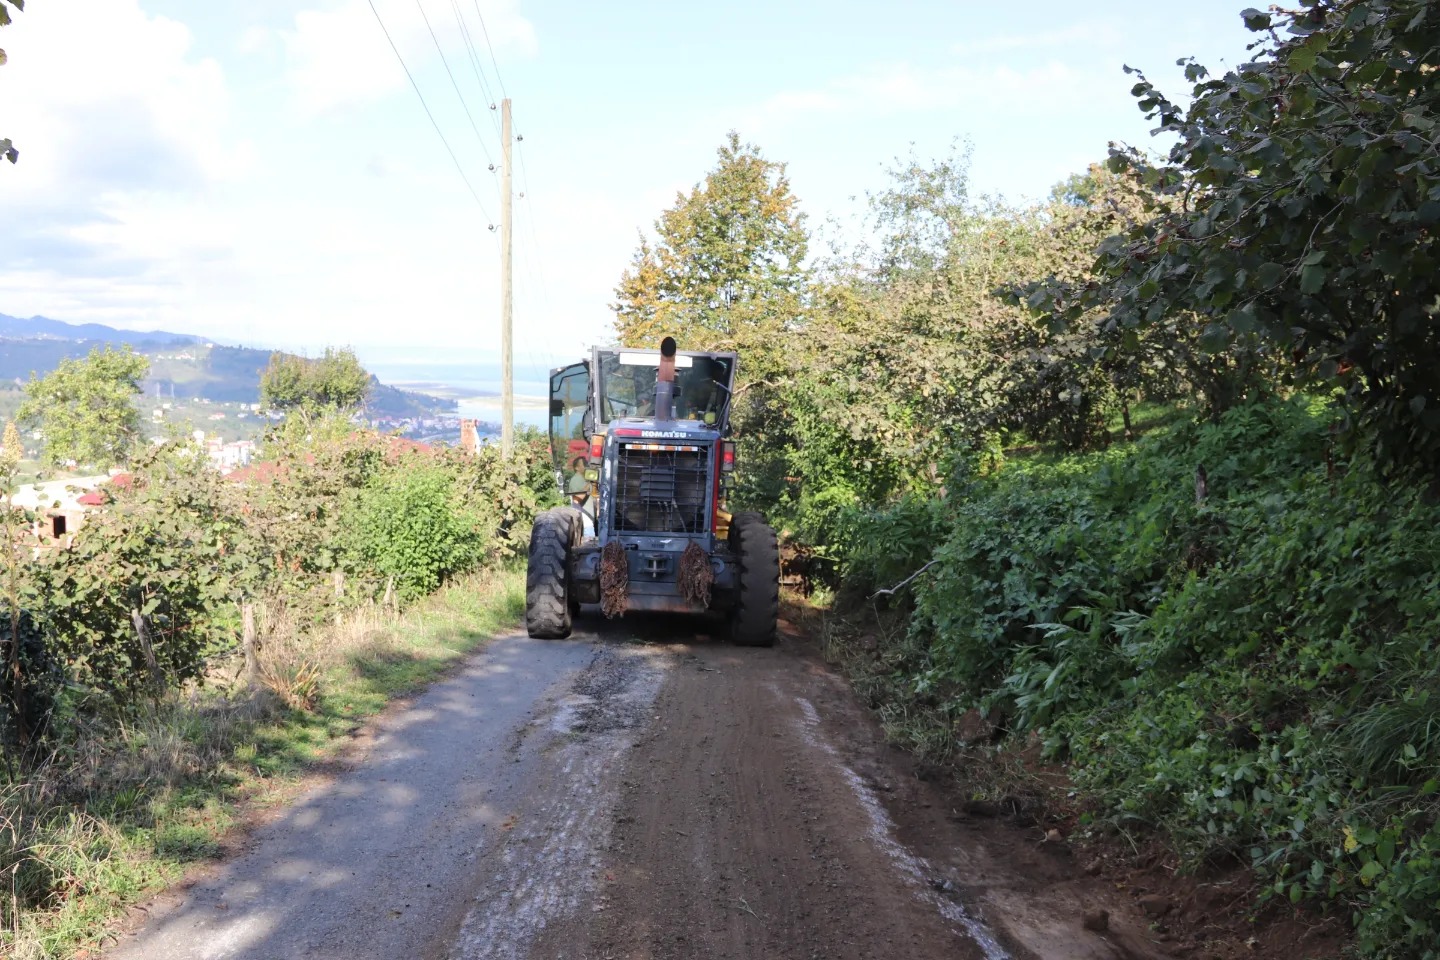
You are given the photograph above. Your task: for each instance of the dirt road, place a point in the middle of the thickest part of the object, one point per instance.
(631, 796)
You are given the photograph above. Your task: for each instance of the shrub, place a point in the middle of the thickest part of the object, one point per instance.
(1241, 656)
(129, 607)
(414, 523)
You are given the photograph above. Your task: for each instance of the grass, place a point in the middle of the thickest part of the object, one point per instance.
(120, 816)
(1145, 418)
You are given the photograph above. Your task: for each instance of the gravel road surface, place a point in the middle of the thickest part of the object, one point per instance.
(636, 792)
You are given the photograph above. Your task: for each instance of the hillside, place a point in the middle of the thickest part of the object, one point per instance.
(182, 366)
(43, 328)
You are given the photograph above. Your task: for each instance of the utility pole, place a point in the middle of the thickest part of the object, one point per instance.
(507, 300)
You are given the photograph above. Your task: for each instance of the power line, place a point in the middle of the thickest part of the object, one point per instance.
(524, 173)
(498, 79)
(448, 149)
(453, 82)
(475, 63)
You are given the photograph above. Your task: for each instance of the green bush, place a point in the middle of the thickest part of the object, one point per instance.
(879, 548)
(163, 552)
(180, 548)
(1251, 670)
(413, 522)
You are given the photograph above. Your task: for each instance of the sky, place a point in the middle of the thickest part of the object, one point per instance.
(263, 173)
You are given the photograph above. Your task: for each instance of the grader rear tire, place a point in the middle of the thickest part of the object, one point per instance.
(755, 620)
(547, 576)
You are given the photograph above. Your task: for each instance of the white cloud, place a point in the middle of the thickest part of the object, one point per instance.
(1087, 35)
(93, 84)
(888, 89)
(134, 203)
(121, 128)
(337, 56)
(256, 40)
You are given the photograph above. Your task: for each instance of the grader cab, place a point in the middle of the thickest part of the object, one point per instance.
(641, 445)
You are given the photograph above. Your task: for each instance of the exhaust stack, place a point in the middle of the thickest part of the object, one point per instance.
(665, 382)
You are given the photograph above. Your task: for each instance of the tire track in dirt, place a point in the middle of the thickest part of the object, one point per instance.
(738, 836)
(547, 865)
(763, 815)
(474, 819)
(915, 869)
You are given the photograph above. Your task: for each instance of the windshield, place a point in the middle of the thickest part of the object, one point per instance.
(627, 386)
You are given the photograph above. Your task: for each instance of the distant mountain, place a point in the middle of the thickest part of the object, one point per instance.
(43, 328)
(182, 366)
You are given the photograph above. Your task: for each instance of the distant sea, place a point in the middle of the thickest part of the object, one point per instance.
(475, 385)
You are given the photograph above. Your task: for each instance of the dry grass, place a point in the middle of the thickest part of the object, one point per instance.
(118, 814)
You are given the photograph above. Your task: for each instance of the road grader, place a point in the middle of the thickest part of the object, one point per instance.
(642, 451)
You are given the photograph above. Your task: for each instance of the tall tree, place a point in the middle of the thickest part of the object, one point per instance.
(727, 268)
(334, 383)
(86, 408)
(1302, 212)
(7, 149)
(1063, 378)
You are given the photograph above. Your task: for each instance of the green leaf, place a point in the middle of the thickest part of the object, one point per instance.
(1242, 321)
(1305, 57)
(1370, 72)
(1312, 279)
(1385, 849)
(1418, 120)
(1302, 59)
(1269, 275)
(1255, 19)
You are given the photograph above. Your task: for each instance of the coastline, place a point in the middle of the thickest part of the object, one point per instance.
(445, 391)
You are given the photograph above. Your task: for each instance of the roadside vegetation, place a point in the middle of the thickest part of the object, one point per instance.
(1136, 484)
(201, 639)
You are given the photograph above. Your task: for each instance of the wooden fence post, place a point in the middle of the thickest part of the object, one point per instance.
(338, 578)
(251, 644)
(147, 649)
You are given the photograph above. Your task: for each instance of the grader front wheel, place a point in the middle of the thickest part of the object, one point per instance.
(548, 609)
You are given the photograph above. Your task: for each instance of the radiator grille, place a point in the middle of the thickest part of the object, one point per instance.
(661, 489)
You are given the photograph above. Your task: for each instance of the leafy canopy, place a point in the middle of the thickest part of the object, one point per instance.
(727, 269)
(415, 524)
(1302, 201)
(86, 408)
(333, 383)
